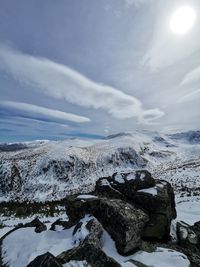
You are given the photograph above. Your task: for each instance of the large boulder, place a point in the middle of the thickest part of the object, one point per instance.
(159, 202)
(136, 192)
(45, 260)
(141, 189)
(94, 256)
(124, 222)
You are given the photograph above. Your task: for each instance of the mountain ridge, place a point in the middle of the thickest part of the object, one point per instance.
(50, 170)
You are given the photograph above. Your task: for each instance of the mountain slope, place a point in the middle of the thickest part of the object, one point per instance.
(43, 171)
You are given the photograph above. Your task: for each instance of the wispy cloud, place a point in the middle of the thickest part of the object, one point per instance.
(192, 77)
(136, 3)
(61, 82)
(33, 109)
(190, 97)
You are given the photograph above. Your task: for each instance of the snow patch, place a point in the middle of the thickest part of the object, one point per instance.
(77, 264)
(188, 211)
(131, 176)
(23, 245)
(86, 196)
(150, 190)
(119, 179)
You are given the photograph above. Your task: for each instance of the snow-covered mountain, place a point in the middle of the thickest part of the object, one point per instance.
(49, 170)
(192, 137)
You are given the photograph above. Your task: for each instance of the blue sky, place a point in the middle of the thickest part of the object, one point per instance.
(93, 68)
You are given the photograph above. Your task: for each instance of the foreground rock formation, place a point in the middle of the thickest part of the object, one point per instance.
(45, 260)
(155, 197)
(138, 206)
(136, 211)
(131, 207)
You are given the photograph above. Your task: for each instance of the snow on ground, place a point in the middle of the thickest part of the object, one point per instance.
(31, 244)
(10, 222)
(23, 245)
(5, 230)
(188, 211)
(82, 232)
(162, 257)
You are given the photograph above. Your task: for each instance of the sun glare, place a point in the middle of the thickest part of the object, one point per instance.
(182, 20)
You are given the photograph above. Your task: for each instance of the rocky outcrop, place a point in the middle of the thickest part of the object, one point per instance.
(124, 185)
(88, 232)
(124, 222)
(60, 223)
(39, 226)
(160, 204)
(189, 236)
(45, 260)
(94, 256)
(139, 188)
(141, 206)
(132, 207)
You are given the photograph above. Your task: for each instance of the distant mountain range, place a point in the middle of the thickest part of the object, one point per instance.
(190, 136)
(50, 170)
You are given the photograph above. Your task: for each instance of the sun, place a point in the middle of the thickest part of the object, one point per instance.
(182, 20)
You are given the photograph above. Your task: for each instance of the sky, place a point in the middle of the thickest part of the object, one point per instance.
(96, 67)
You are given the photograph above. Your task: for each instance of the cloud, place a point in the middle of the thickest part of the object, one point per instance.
(192, 76)
(190, 97)
(56, 114)
(61, 82)
(136, 3)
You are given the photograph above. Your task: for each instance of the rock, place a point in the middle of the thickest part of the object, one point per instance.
(139, 188)
(88, 231)
(136, 190)
(76, 208)
(105, 189)
(45, 260)
(194, 258)
(160, 204)
(94, 256)
(189, 236)
(124, 222)
(39, 226)
(196, 228)
(61, 224)
(125, 184)
(157, 198)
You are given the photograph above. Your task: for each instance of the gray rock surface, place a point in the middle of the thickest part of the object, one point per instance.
(45, 260)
